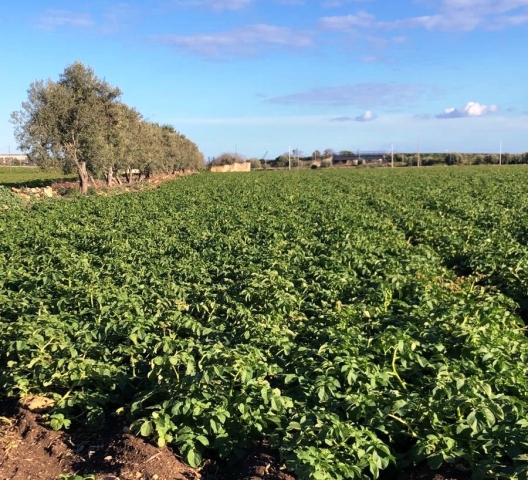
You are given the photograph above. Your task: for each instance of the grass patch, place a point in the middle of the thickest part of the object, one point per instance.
(31, 177)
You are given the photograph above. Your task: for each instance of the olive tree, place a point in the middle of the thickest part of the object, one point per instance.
(64, 123)
(79, 124)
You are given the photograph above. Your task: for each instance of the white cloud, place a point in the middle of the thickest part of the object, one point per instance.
(368, 116)
(344, 22)
(231, 4)
(240, 42)
(215, 4)
(471, 109)
(468, 15)
(509, 21)
(228, 4)
(340, 3)
(110, 19)
(63, 18)
(369, 59)
(450, 15)
(290, 2)
(118, 16)
(360, 94)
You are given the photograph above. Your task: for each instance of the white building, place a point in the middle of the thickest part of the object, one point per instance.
(13, 159)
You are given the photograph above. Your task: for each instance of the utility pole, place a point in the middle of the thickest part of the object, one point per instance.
(418, 148)
(289, 158)
(500, 152)
(392, 155)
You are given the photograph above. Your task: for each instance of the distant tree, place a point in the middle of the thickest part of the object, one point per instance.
(190, 156)
(227, 159)
(256, 164)
(296, 153)
(507, 158)
(328, 152)
(282, 160)
(121, 141)
(514, 158)
(171, 159)
(490, 159)
(453, 158)
(411, 159)
(150, 159)
(287, 159)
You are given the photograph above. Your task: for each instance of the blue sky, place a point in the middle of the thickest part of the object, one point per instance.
(263, 75)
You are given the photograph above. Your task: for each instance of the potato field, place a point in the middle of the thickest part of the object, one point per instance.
(361, 321)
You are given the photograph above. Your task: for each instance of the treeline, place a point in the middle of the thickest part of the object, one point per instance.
(404, 159)
(297, 157)
(455, 158)
(80, 125)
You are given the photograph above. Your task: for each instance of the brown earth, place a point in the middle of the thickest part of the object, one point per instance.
(30, 451)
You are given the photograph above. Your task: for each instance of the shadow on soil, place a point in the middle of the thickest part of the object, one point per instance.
(30, 451)
(39, 183)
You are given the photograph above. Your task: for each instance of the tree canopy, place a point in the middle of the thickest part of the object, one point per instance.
(79, 123)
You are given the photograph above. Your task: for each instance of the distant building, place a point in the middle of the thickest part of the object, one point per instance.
(361, 158)
(235, 167)
(13, 159)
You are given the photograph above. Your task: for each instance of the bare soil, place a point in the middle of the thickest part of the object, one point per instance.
(30, 451)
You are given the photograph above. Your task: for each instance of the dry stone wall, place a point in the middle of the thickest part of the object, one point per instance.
(236, 167)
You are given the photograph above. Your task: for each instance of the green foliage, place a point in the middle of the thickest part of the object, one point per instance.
(256, 164)
(30, 177)
(453, 158)
(8, 200)
(79, 124)
(282, 161)
(359, 321)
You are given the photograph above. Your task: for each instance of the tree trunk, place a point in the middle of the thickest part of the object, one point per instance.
(110, 176)
(83, 177)
(128, 175)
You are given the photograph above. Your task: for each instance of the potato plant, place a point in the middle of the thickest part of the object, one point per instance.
(358, 321)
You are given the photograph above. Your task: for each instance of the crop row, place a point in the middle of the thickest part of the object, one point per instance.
(358, 321)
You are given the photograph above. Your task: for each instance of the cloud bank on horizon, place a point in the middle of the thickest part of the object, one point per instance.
(334, 72)
(471, 109)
